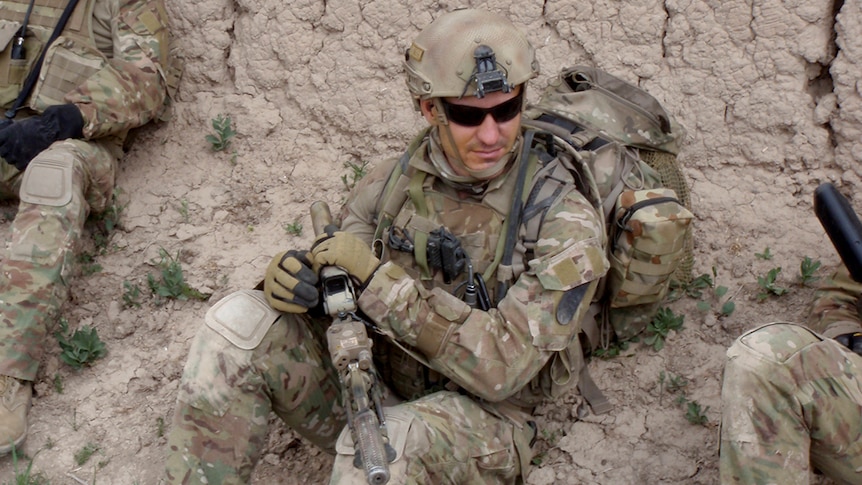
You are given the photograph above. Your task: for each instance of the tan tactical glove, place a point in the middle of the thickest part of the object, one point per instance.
(343, 249)
(290, 285)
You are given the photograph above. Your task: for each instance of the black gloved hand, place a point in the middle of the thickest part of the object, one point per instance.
(23, 140)
(852, 341)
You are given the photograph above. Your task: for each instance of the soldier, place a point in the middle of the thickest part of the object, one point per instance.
(792, 396)
(69, 107)
(469, 375)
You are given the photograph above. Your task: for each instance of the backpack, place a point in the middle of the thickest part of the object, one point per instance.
(630, 146)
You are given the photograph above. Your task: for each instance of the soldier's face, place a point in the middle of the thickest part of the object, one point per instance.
(483, 130)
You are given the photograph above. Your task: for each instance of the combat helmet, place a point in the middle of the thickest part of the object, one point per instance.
(468, 52)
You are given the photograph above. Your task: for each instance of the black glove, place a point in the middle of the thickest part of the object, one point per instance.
(290, 285)
(23, 140)
(852, 341)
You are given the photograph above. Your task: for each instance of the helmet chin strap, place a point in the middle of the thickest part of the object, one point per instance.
(456, 165)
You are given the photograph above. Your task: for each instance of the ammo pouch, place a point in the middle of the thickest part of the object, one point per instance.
(647, 243)
(14, 71)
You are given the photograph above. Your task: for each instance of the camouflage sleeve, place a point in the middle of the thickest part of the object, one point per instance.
(494, 353)
(131, 89)
(834, 311)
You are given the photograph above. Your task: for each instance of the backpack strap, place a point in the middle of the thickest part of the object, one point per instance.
(395, 190)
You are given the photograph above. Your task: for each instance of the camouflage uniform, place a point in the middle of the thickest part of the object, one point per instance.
(792, 398)
(120, 83)
(471, 376)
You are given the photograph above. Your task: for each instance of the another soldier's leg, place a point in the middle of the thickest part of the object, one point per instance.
(789, 397)
(449, 439)
(227, 393)
(55, 191)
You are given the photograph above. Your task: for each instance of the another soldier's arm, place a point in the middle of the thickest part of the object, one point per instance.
(494, 353)
(834, 311)
(130, 90)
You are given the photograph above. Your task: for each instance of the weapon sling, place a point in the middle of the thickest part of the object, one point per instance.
(33, 75)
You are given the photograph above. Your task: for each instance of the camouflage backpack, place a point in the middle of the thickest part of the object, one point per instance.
(629, 144)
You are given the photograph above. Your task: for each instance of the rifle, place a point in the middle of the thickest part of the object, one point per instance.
(350, 350)
(842, 226)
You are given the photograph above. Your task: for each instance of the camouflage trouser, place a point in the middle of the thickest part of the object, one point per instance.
(220, 424)
(790, 400)
(34, 268)
(450, 439)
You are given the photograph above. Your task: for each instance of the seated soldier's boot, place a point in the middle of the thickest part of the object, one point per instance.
(14, 405)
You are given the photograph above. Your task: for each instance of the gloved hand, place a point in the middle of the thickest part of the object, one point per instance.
(852, 341)
(290, 285)
(22, 140)
(343, 249)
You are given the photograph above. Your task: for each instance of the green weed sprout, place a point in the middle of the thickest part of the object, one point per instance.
(221, 140)
(357, 172)
(663, 322)
(768, 285)
(82, 348)
(807, 268)
(172, 283)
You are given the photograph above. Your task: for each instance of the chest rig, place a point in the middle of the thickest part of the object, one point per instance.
(71, 58)
(419, 212)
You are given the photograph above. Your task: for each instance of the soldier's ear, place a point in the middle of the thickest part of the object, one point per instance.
(428, 110)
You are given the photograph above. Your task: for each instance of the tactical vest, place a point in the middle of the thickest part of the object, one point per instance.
(479, 224)
(69, 61)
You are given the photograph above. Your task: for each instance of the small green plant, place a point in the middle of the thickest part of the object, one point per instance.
(550, 437)
(160, 426)
(614, 349)
(692, 289)
(103, 224)
(88, 264)
(58, 383)
(670, 383)
(25, 477)
(172, 283)
(765, 255)
(357, 171)
(183, 209)
(695, 413)
(84, 454)
(224, 132)
(768, 285)
(294, 228)
(131, 295)
(718, 293)
(807, 268)
(82, 348)
(660, 326)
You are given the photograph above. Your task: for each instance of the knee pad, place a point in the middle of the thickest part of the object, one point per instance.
(48, 179)
(398, 422)
(243, 318)
(778, 341)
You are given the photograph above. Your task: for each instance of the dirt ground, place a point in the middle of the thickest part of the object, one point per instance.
(766, 90)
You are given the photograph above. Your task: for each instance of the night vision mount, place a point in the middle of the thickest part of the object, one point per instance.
(488, 78)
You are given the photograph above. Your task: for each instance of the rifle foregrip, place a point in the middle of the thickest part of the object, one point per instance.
(842, 226)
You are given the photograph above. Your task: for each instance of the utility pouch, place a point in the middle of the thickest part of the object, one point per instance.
(650, 229)
(68, 63)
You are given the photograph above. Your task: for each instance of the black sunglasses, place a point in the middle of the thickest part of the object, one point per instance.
(473, 116)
